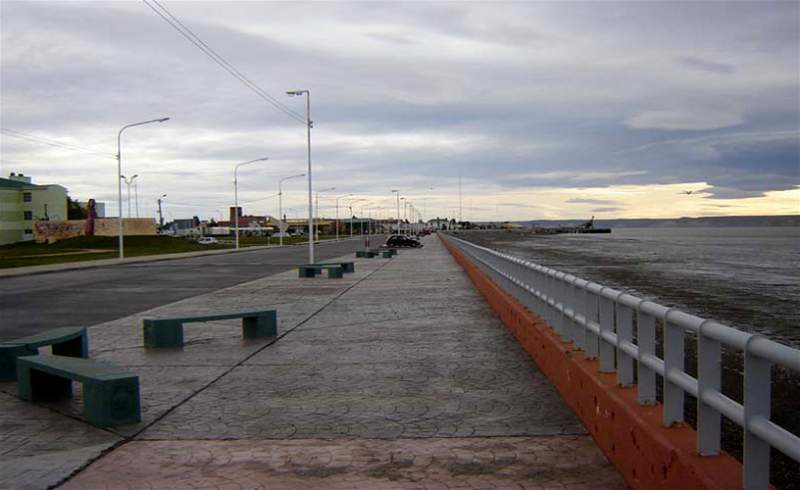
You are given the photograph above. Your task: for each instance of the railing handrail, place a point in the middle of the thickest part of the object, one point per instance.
(599, 320)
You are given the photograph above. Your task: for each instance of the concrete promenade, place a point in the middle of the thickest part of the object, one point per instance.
(397, 376)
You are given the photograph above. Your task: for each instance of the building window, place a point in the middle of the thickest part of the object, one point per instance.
(28, 215)
(28, 231)
(27, 197)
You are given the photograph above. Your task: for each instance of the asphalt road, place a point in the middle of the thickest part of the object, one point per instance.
(32, 304)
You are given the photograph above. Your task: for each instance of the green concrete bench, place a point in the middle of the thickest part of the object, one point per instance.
(347, 267)
(364, 254)
(110, 393)
(66, 341)
(168, 332)
(312, 270)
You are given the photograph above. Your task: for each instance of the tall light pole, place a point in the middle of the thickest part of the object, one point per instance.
(136, 195)
(309, 125)
(160, 215)
(337, 214)
(350, 205)
(236, 195)
(119, 177)
(398, 210)
(316, 229)
(129, 183)
(280, 203)
(405, 204)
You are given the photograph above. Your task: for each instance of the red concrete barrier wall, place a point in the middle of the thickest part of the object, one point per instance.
(648, 455)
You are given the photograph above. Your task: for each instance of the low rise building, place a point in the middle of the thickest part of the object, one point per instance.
(22, 203)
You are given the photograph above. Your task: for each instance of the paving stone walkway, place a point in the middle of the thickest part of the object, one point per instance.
(397, 376)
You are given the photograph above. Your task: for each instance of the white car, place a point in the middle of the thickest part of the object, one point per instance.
(207, 240)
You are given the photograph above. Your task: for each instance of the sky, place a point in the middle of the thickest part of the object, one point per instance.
(534, 110)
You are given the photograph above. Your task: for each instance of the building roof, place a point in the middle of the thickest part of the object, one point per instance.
(14, 184)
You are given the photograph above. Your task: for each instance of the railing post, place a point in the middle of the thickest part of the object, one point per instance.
(591, 316)
(572, 297)
(624, 333)
(579, 306)
(709, 378)
(606, 325)
(561, 295)
(757, 379)
(646, 340)
(673, 361)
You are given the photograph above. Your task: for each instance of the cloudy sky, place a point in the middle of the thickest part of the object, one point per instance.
(541, 110)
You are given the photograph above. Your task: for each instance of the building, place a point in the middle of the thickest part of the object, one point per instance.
(23, 202)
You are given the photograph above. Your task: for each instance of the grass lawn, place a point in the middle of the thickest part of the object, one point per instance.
(94, 248)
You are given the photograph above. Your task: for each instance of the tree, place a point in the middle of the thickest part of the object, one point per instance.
(75, 211)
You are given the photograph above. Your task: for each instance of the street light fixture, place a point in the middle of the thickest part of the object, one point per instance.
(309, 124)
(280, 204)
(119, 177)
(236, 195)
(129, 183)
(316, 229)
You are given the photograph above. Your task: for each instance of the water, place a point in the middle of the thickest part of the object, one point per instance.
(746, 277)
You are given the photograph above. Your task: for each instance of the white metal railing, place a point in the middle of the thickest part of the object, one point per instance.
(600, 322)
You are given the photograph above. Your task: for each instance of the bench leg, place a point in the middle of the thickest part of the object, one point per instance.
(265, 325)
(305, 272)
(112, 402)
(8, 360)
(77, 347)
(335, 273)
(35, 385)
(162, 333)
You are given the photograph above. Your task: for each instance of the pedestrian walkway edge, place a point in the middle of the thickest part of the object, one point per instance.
(648, 455)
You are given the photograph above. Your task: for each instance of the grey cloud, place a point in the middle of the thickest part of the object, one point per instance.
(607, 210)
(706, 65)
(513, 103)
(579, 200)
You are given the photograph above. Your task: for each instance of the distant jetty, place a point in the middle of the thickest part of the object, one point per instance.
(587, 227)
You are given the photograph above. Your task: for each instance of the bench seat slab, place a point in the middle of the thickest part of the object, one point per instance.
(65, 341)
(110, 393)
(168, 332)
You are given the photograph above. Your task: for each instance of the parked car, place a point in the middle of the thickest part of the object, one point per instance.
(400, 241)
(207, 240)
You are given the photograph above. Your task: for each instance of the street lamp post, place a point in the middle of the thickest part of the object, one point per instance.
(129, 183)
(119, 177)
(136, 196)
(337, 214)
(236, 195)
(398, 210)
(280, 204)
(309, 125)
(160, 214)
(350, 205)
(405, 203)
(316, 226)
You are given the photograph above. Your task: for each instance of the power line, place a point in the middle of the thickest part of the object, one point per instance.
(46, 141)
(176, 24)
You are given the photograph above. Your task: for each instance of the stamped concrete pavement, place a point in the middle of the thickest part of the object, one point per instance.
(397, 376)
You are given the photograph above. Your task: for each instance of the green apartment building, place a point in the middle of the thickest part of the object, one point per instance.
(22, 203)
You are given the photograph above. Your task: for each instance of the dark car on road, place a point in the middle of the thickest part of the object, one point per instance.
(400, 241)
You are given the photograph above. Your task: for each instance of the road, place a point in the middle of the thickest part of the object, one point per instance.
(32, 304)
